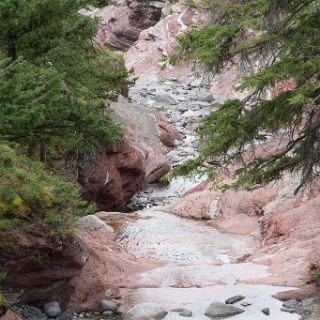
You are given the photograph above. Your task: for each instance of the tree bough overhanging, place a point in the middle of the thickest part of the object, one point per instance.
(284, 36)
(54, 78)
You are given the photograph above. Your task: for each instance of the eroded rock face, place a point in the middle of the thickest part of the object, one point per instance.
(111, 177)
(40, 266)
(107, 269)
(122, 24)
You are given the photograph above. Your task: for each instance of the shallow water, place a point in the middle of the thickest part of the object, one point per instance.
(200, 266)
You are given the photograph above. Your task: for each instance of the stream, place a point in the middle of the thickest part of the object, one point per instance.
(197, 263)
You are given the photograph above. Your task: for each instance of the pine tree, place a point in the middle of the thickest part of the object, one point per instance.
(286, 38)
(54, 79)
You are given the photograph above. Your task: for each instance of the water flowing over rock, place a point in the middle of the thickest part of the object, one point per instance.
(112, 176)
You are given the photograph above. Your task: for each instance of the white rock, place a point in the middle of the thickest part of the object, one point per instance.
(147, 311)
(52, 309)
(93, 223)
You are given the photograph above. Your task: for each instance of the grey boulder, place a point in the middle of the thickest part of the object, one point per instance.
(290, 304)
(218, 310)
(108, 305)
(52, 309)
(164, 99)
(146, 311)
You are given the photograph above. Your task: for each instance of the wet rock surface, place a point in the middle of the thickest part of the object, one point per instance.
(178, 105)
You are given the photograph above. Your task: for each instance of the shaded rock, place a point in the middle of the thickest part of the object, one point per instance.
(146, 311)
(235, 299)
(111, 178)
(52, 309)
(41, 266)
(266, 311)
(290, 304)
(93, 223)
(121, 26)
(156, 168)
(108, 305)
(218, 310)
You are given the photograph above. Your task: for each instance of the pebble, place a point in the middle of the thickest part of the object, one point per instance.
(266, 311)
(52, 309)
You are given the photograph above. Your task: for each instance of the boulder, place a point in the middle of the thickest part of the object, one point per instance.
(93, 223)
(147, 311)
(291, 304)
(107, 305)
(218, 310)
(52, 309)
(168, 135)
(111, 177)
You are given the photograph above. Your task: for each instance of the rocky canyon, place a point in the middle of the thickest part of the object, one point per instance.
(159, 249)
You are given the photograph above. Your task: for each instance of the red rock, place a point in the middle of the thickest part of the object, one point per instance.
(298, 294)
(39, 265)
(10, 315)
(291, 241)
(121, 26)
(156, 167)
(168, 134)
(108, 267)
(110, 178)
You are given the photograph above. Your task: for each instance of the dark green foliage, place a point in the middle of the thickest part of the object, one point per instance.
(29, 195)
(287, 40)
(54, 80)
(317, 278)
